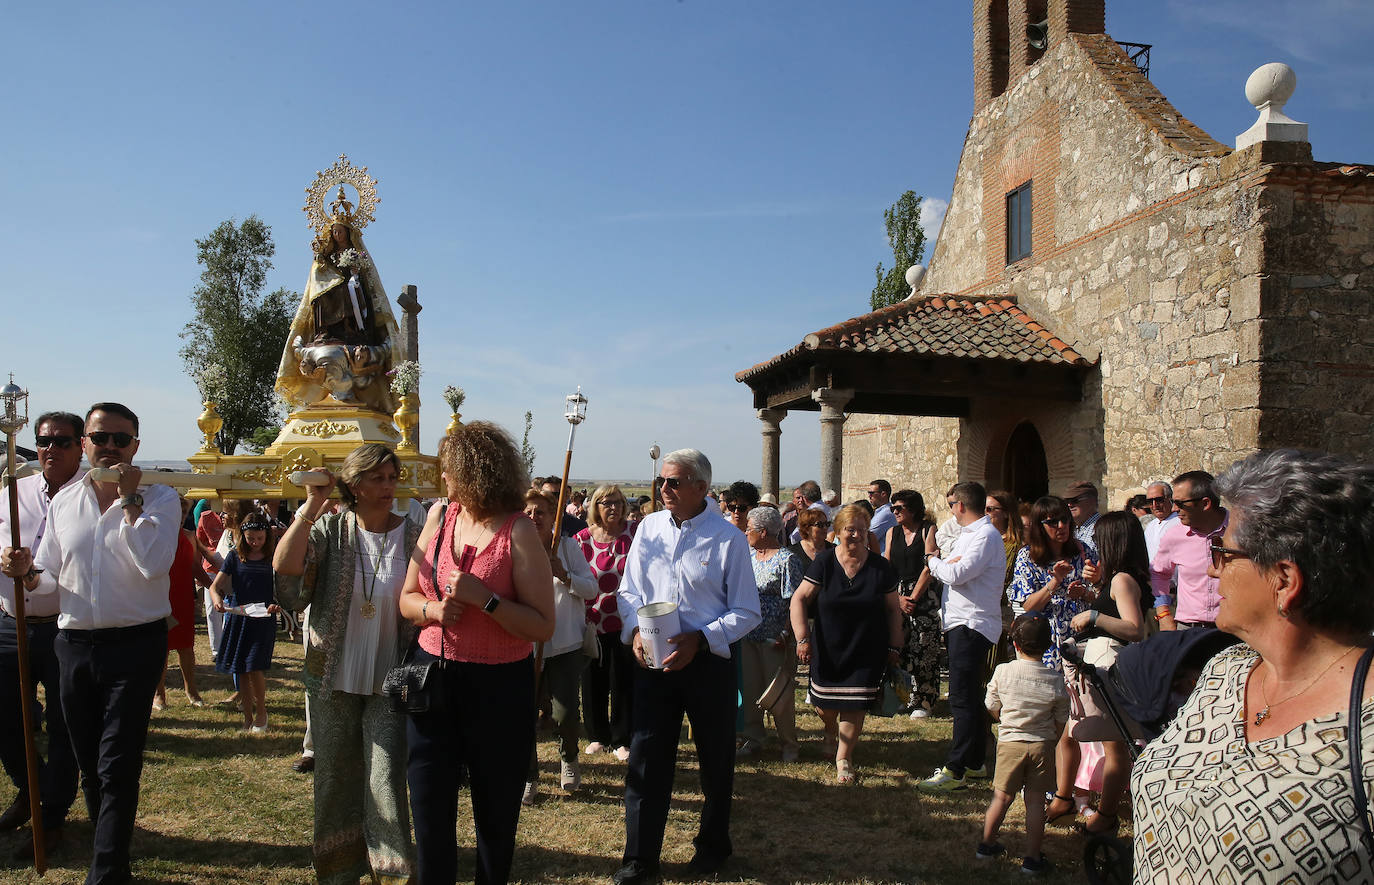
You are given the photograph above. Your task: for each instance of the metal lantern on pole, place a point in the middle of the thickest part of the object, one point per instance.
(575, 412)
(14, 416)
(653, 476)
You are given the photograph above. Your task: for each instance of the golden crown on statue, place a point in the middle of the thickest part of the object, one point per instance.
(340, 209)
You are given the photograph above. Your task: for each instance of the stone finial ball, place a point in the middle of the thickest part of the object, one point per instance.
(914, 275)
(1271, 84)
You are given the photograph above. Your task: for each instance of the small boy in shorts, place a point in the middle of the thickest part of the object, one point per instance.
(1031, 704)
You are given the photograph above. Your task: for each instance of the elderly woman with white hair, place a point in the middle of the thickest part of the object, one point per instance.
(1254, 772)
(768, 651)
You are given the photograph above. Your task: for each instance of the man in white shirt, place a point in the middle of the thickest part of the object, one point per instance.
(58, 442)
(106, 555)
(1159, 497)
(971, 616)
(880, 496)
(687, 554)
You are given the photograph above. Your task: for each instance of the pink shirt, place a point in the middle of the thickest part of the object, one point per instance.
(1182, 548)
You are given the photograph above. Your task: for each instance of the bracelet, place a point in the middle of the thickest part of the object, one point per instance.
(804, 640)
(301, 514)
(1163, 612)
(424, 611)
(894, 650)
(1092, 618)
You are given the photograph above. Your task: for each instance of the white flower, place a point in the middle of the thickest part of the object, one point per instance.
(454, 396)
(405, 378)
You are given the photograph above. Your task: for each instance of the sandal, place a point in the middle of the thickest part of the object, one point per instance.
(844, 772)
(1071, 812)
(1110, 829)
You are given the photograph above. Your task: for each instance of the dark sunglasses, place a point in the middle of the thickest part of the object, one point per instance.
(55, 442)
(822, 525)
(1057, 522)
(1188, 500)
(121, 440)
(1219, 554)
(1074, 501)
(674, 482)
(738, 508)
(1161, 500)
(898, 508)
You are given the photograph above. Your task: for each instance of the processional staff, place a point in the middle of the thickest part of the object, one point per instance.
(15, 399)
(575, 413)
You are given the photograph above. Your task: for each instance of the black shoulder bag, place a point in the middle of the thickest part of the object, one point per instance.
(418, 687)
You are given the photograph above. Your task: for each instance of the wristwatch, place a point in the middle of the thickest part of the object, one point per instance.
(134, 500)
(492, 604)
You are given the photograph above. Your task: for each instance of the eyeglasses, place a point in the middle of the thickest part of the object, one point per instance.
(898, 508)
(55, 442)
(872, 492)
(996, 509)
(1164, 499)
(950, 502)
(616, 503)
(1055, 522)
(738, 508)
(1074, 502)
(675, 482)
(1219, 554)
(1182, 501)
(822, 525)
(121, 440)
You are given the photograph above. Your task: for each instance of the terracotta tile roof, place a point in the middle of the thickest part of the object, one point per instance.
(989, 327)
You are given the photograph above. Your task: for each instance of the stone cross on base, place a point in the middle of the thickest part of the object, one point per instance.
(410, 325)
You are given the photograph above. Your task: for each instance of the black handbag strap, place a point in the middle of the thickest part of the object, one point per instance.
(1353, 736)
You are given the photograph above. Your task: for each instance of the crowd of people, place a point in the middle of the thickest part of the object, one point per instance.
(515, 607)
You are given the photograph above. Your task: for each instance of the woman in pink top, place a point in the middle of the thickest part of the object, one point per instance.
(481, 589)
(605, 543)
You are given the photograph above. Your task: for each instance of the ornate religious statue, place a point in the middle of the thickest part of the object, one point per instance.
(340, 343)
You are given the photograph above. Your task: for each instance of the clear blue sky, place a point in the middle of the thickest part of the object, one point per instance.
(642, 197)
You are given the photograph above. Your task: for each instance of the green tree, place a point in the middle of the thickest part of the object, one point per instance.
(908, 241)
(258, 441)
(526, 449)
(234, 341)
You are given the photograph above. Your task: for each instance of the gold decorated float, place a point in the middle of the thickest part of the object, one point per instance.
(336, 370)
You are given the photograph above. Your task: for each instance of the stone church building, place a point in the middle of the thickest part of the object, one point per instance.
(1114, 295)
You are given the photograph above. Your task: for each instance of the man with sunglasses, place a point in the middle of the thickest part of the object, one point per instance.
(106, 554)
(58, 440)
(1082, 500)
(689, 555)
(1184, 555)
(880, 496)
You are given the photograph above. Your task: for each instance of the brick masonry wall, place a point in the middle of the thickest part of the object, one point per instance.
(1220, 303)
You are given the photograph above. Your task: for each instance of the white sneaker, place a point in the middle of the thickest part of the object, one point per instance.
(942, 781)
(920, 713)
(622, 753)
(570, 777)
(594, 747)
(531, 793)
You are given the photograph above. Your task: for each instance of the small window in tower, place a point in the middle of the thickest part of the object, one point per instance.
(1019, 223)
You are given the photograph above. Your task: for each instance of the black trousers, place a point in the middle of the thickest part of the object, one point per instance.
(108, 681)
(57, 775)
(968, 683)
(609, 680)
(706, 692)
(487, 727)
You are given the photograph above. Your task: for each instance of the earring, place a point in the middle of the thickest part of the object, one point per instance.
(1283, 611)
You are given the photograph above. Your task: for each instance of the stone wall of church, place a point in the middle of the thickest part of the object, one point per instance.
(1147, 250)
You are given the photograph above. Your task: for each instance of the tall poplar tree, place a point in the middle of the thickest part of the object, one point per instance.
(908, 241)
(234, 342)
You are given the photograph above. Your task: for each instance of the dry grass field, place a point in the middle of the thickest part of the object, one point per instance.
(218, 807)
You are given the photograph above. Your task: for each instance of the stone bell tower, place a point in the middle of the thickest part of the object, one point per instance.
(1003, 50)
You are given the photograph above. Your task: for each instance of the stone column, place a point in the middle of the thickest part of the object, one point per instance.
(410, 324)
(832, 403)
(771, 418)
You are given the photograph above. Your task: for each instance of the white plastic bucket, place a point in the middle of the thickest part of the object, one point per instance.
(658, 622)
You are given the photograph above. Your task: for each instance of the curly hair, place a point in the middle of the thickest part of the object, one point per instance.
(1317, 511)
(485, 471)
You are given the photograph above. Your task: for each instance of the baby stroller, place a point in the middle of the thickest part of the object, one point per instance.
(1142, 692)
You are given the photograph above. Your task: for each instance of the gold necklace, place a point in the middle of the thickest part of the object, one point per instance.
(369, 610)
(1264, 714)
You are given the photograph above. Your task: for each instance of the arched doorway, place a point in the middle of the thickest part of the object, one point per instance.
(1025, 471)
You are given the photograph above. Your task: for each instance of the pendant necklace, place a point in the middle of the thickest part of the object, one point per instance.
(369, 610)
(1264, 713)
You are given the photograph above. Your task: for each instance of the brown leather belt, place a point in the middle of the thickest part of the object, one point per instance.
(34, 619)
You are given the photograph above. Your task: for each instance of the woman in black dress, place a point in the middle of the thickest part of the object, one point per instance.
(850, 592)
(919, 597)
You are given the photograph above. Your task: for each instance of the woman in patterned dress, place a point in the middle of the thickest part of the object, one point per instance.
(851, 593)
(768, 646)
(349, 568)
(1049, 573)
(919, 599)
(608, 679)
(1252, 779)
